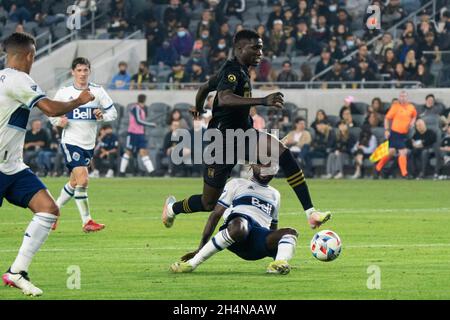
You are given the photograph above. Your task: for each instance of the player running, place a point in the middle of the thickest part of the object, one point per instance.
(399, 119)
(250, 210)
(231, 111)
(18, 184)
(79, 136)
(136, 142)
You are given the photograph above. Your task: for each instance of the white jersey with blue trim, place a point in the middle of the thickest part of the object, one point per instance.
(246, 196)
(18, 94)
(81, 129)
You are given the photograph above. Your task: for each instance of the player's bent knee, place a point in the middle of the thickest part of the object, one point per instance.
(238, 229)
(291, 231)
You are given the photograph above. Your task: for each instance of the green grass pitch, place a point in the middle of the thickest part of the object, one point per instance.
(402, 227)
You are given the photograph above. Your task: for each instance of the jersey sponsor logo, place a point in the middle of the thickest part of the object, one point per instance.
(81, 113)
(262, 205)
(231, 78)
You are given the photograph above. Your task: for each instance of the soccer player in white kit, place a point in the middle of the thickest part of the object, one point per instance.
(79, 137)
(18, 184)
(250, 211)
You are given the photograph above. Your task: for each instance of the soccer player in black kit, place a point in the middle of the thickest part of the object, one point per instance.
(231, 111)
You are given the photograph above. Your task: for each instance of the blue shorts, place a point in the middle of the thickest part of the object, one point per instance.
(19, 188)
(254, 247)
(135, 142)
(76, 156)
(397, 140)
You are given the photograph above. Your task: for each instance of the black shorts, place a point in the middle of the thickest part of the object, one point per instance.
(397, 140)
(216, 174)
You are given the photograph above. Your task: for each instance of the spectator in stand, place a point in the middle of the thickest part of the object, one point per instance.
(178, 75)
(400, 75)
(197, 57)
(421, 146)
(166, 55)
(298, 140)
(235, 8)
(410, 64)
(36, 148)
(183, 41)
(340, 152)
(429, 44)
(170, 141)
(175, 115)
(321, 116)
(176, 11)
(346, 115)
(288, 22)
(422, 75)
(338, 75)
(258, 122)
(286, 74)
(431, 108)
(219, 55)
(409, 29)
(388, 65)
(444, 153)
(154, 33)
(224, 33)
(364, 54)
(363, 148)
(120, 17)
(105, 153)
(336, 52)
(386, 42)
(344, 18)
(373, 120)
(324, 63)
(350, 44)
(312, 19)
(19, 13)
(142, 79)
(322, 144)
(198, 75)
(277, 39)
(304, 43)
(376, 105)
(363, 74)
(121, 81)
(409, 43)
(349, 102)
(206, 23)
(306, 72)
(276, 14)
(321, 32)
(392, 13)
(301, 10)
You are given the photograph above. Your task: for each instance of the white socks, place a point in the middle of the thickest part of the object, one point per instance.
(286, 247)
(124, 163)
(220, 241)
(309, 211)
(67, 192)
(82, 201)
(35, 235)
(148, 164)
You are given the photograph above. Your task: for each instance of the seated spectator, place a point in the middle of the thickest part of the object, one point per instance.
(322, 144)
(400, 75)
(154, 34)
(363, 74)
(235, 8)
(142, 79)
(320, 116)
(336, 52)
(276, 14)
(363, 148)
(120, 17)
(304, 43)
(339, 152)
(429, 44)
(301, 9)
(388, 65)
(386, 42)
(324, 63)
(430, 107)
(121, 81)
(198, 75)
(258, 122)
(337, 74)
(321, 32)
(183, 41)
(373, 120)
(175, 115)
(286, 74)
(421, 145)
(349, 103)
(408, 43)
(105, 153)
(410, 64)
(206, 23)
(376, 106)
(392, 13)
(306, 72)
(346, 116)
(424, 76)
(364, 54)
(224, 33)
(170, 141)
(166, 55)
(444, 154)
(298, 140)
(288, 21)
(218, 55)
(277, 39)
(344, 18)
(36, 148)
(178, 75)
(175, 11)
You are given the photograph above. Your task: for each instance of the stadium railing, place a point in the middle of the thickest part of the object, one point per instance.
(392, 30)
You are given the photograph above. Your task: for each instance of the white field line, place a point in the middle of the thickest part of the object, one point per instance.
(418, 245)
(337, 211)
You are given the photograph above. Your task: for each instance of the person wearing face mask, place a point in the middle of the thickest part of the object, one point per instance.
(183, 41)
(142, 78)
(121, 81)
(250, 211)
(218, 55)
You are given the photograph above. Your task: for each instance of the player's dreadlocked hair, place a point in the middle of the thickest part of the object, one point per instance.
(18, 40)
(245, 34)
(80, 60)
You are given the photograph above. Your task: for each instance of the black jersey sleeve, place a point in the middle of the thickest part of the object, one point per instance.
(228, 79)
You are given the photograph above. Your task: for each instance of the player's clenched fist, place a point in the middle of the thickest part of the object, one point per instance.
(85, 96)
(274, 100)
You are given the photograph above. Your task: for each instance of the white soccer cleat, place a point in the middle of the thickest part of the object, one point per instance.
(109, 174)
(318, 218)
(22, 282)
(168, 217)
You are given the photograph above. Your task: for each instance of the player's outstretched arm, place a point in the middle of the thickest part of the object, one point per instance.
(53, 108)
(228, 99)
(210, 226)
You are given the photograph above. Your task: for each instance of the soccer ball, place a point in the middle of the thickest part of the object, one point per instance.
(326, 245)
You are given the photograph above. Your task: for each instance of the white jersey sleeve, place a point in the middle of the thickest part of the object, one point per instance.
(228, 194)
(24, 90)
(55, 120)
(109, 111)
